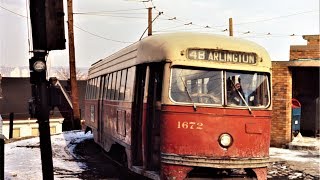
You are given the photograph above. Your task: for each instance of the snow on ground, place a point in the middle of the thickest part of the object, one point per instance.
(23, 161)
(295, 155)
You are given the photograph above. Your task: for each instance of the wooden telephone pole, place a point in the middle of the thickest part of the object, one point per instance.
(230, 27)
(72, 65)
(149, 21)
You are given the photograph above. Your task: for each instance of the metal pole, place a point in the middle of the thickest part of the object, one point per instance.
(1, 151)
(1, 157)
(11, 117)
(44, 130)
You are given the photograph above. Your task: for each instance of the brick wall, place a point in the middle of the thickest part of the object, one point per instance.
(309, 51)
(282, 94)
(282, 89)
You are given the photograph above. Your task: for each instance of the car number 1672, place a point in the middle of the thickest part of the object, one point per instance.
(189, 125)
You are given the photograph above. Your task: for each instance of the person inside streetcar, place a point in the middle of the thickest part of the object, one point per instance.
(239, 93)
(235, 94)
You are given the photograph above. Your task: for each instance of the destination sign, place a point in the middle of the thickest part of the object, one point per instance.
(222, 56)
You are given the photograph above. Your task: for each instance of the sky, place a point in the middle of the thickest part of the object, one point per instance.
(27, 165)
(121, 22)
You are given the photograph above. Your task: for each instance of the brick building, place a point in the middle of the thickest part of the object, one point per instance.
(297, 78)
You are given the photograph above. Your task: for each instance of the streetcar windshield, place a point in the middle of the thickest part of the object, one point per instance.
(247, 89)
(220, 87)
(196, 86)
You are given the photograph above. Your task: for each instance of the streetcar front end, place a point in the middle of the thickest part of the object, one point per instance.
(215, 119)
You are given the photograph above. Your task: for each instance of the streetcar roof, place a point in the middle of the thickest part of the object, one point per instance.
(172, 47)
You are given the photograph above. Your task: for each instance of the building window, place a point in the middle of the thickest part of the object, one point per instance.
(16, 133)
(35, 131)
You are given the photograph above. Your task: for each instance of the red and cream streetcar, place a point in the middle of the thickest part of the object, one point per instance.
(184, 105)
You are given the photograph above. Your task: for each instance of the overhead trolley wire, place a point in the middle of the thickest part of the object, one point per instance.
(99, 35)
(269, 19)
(129, 17)
(110, 11)
(12, 12)
(175, 19)
(117, 14)
(278, 17)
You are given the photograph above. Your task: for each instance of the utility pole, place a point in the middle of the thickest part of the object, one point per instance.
(230, 27)
(72, 65)
(149, 21)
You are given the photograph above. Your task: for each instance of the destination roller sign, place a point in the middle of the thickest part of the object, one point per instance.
(222, 56)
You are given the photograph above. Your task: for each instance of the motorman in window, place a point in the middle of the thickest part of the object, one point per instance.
(238, 93)
(235, 95)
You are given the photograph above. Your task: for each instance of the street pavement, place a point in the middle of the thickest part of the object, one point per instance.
(76, 156)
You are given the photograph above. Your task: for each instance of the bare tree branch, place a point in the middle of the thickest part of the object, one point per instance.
(64, 74)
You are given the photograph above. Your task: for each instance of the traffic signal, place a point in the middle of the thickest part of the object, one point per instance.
(38, 71)
(47, 24)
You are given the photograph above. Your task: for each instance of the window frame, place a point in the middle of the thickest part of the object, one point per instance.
(223, 89)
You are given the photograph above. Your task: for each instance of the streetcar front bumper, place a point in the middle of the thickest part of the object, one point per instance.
(199, 161)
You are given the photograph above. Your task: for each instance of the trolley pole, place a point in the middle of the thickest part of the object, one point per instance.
(230, 27)
(72, 64)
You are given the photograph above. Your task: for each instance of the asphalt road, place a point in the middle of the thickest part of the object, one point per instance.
(101, 167)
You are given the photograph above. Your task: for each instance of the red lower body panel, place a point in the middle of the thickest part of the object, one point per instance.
(190, 138)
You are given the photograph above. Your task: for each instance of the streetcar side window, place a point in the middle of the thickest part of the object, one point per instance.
(117, 89)
(113, 87)
(94, 95)
(109, 86)
(105, 86)
(92, 88)
(118, 85)
(123, 84)
(102, 89)
(97, 85)
(130, 84)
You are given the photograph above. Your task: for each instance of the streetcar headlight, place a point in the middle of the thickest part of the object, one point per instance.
(225, 140)
(39, 66)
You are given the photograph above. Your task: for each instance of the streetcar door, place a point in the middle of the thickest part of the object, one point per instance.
(146, 125)
(100, 108)
(138, 114)
(153, 116)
